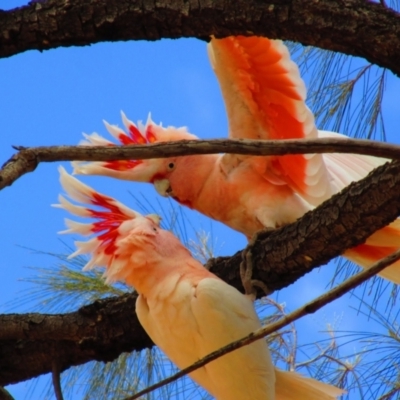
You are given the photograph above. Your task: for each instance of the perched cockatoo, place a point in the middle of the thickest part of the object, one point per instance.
(186, 310)
(265, 99)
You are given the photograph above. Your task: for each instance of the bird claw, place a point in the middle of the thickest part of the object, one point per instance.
(260, 284)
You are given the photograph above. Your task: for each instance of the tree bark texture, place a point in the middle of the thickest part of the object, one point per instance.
(356, 27)
(101, 331)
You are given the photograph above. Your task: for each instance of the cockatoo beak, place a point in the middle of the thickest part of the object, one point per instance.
(155, 218)
(163, 187)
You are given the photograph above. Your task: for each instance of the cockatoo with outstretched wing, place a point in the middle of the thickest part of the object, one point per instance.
(186, 310)
(265, 99)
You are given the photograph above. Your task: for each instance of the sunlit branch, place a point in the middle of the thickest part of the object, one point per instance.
(308, 308)
(27, 159)
(360, 28)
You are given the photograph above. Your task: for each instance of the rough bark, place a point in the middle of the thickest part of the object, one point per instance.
(101, 331)
(355, 27)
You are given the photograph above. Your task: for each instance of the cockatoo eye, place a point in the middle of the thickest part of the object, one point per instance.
(171, 166)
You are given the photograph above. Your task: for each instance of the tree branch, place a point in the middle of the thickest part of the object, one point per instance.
(355, 27)
(308, 308)
(101, 331)
(27, 159)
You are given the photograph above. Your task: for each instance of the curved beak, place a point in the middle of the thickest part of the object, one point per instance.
(155, 218)
(163, 187)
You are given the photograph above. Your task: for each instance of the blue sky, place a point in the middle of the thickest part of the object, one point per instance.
(52, 97)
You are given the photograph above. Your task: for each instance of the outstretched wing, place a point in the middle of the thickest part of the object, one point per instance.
(265, 99)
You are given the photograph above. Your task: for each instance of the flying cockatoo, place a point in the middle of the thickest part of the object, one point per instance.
(265, 99)
(186, 310)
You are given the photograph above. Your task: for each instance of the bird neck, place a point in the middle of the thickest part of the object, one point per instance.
(188, 181)
(160, 279)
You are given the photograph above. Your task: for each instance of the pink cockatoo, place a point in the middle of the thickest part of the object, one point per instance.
(265, 99)
(186, 310)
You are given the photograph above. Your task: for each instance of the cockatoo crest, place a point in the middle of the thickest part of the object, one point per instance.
(114, 222)
(135, 134)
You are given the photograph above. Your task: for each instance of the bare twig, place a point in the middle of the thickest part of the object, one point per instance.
(55, 376)
(27, 159)
(308, 308)
(323, 354)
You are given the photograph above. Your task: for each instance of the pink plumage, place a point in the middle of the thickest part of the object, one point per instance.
(265, 99)
(186, 310)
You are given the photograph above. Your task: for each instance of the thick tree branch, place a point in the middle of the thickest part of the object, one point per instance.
(29, 158)
(355, 27)
(101, 331)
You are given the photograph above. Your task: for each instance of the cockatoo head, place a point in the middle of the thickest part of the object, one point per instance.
(124, 241)
(156, 170)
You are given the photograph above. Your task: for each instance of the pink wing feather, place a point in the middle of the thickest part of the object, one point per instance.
(265, 99)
